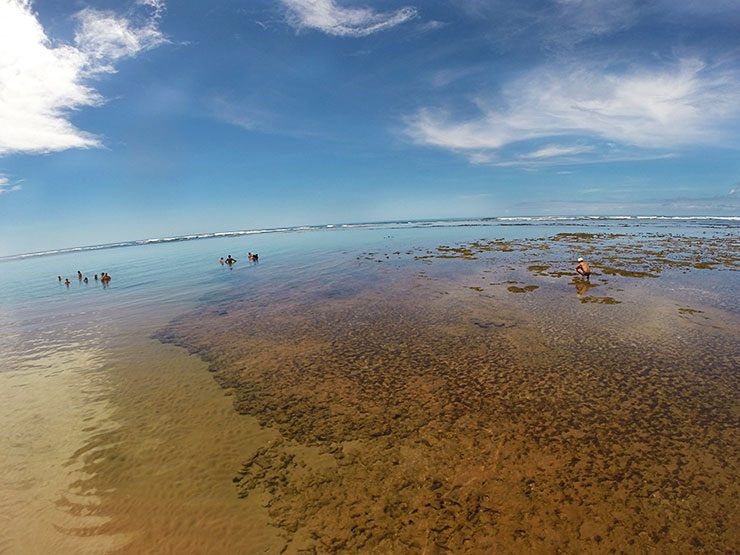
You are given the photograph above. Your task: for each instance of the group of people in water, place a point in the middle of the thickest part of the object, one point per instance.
(104, 278)
(230, 260)
(582, 268)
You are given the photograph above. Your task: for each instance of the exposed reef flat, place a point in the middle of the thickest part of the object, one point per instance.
(428, 411)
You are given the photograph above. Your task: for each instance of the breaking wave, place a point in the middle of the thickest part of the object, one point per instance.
(728, 221)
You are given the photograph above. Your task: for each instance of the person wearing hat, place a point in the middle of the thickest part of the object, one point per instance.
(583, 268)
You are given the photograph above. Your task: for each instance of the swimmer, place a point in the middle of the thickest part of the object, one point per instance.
(79, 274)
(230, 260)
(59, 278)
(221, 261)
(85, 280)
(96, 277)
(583, 268)
(66, 282)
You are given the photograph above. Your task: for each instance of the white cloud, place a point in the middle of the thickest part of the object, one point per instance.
(6, 186)
(42, 82)
(104, 38)
(687, 103)
(327, 16)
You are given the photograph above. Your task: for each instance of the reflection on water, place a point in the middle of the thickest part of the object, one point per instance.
(582, 286)
(42, 412)
(112, 443)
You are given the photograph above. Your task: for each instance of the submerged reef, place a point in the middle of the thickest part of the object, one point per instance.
(417, 414)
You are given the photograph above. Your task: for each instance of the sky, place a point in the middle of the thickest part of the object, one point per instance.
(124, 120)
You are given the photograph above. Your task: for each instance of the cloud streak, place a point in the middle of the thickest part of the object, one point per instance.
(330, 18)
(42, 83)
(686, 103)
(551, 151)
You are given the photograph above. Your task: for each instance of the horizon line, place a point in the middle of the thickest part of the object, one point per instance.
(349, 225)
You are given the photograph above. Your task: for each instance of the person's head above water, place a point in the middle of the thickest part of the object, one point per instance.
(580, 259)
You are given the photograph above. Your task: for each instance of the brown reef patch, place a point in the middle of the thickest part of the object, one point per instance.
(525, 289)
(600, 300)
(612, 271)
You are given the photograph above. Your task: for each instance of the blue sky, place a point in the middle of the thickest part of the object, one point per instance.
(128, 120)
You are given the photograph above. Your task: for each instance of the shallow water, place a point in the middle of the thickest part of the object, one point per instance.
(390, 396)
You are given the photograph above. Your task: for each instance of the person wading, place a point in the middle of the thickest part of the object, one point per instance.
(583, 268)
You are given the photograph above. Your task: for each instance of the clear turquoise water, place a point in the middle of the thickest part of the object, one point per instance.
(152, 283)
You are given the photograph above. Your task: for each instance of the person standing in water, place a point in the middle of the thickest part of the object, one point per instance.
(230, 260)
(583, 268)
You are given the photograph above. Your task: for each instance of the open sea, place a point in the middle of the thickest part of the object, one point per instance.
(168, 411)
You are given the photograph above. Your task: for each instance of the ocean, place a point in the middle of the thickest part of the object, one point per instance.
(136, 414)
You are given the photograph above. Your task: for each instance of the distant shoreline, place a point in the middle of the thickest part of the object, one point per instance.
(395, 224)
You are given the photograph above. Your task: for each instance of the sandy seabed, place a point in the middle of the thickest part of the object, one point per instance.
(483, 398)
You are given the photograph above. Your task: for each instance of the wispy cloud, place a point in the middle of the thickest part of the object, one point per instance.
(432, 25)
(43, 82)
(157, 6)
(327, 16)
(551, 151)
(251, 114)
(552, 24)
(444, 77)
(227, 111)
(685, 103)
(7, 187)
(606, 156)
(475, 196)
(715, 205)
